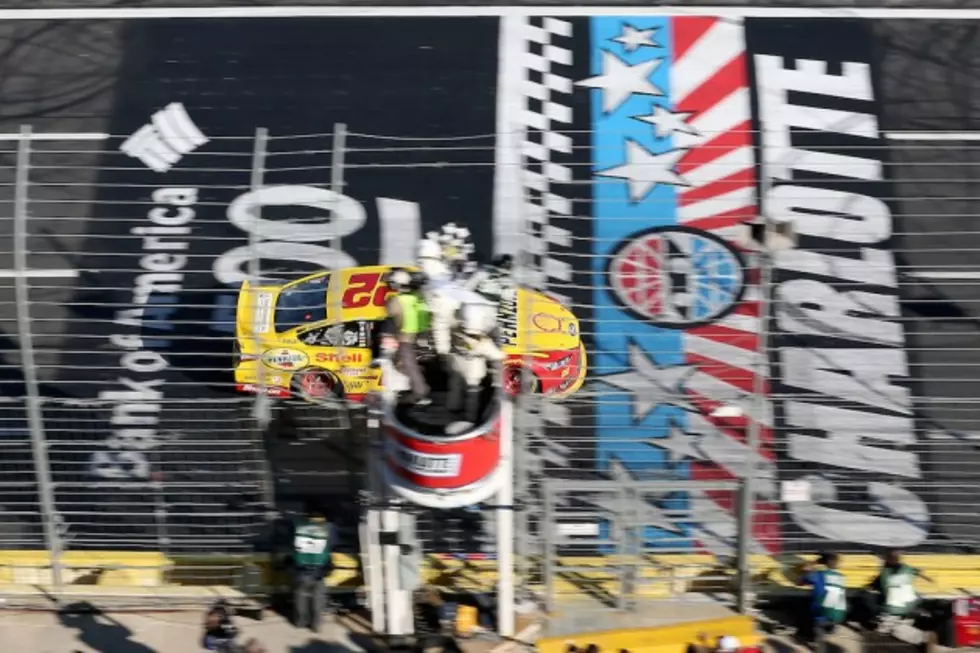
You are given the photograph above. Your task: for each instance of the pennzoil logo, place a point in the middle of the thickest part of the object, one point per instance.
(285, 359)
(507, 317)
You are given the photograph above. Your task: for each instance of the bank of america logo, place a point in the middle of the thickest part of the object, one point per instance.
(170, 135)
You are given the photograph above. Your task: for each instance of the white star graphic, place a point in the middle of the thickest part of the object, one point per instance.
(643, 170)
(619, 80)
(679, 444)
(644, 511)
(633, 39)
(666, 122)
(650, 385)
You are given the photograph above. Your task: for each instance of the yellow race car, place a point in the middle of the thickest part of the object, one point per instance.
(316, 337)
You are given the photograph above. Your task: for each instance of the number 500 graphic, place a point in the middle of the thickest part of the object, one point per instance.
(286, 240)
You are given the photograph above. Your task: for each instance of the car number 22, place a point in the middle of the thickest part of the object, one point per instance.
(365, 289)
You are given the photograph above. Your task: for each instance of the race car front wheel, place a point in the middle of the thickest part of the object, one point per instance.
(519, 380)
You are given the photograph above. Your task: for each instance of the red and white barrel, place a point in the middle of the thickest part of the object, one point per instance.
(442, 471)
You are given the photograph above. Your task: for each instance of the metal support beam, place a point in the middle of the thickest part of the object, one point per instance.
(505, 523)
(547, 526)
(261, 408)
(337, 153)
(370, 540)
(746, 497)
(35, 419)
(337, 147)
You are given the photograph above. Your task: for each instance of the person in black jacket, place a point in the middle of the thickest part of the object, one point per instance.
(219, 630)
(429, 632)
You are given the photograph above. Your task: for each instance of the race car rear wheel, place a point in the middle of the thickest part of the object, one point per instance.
(520, 380)
(316, 386)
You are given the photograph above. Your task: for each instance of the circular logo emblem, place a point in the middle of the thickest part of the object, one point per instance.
(285, 359)
(676, 277)
(546, 323)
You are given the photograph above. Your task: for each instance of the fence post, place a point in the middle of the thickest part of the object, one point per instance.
(337, 151)
(506, 607)
(522, 549)
(337, 162)
(337, 148)
(547, 533)
(753, 436)
(39, 445)
(534, 550)
(623, 518)
(261, 408)
(371, 547)
(505, 522)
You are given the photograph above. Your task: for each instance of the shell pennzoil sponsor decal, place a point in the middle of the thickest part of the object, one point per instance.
(551, 323)
(270, 390)
(547, 323)
(343, 357)
(285, 359)
(357, 386)
(262, 317)
(359, 372)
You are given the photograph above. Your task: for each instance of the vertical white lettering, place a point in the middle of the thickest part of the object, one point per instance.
(154, 243)
(903, 521)
(140, 404)
(811, 76)
(860, 375)
(860, 224)
(123, 414)
(875, 267)
(846, 431)
(163, 262)
(829, 213)
(773, 84)
(175, 196)
(862, 125)
(812, 307)
(156, 282)
(183, 216)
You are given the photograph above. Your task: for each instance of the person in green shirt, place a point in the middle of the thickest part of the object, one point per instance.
(311, 565)
(828, 597)
(409, 317)
(894, 586)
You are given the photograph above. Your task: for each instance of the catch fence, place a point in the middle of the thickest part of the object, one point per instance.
(122, 430)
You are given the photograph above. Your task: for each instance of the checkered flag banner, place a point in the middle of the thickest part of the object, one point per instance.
(457, 248)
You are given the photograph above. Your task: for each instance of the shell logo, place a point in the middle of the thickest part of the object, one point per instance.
(285, 359)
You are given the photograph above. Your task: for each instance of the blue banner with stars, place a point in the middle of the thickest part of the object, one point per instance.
(673, 175)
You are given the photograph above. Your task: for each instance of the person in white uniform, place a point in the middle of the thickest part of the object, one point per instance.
(462, 326)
